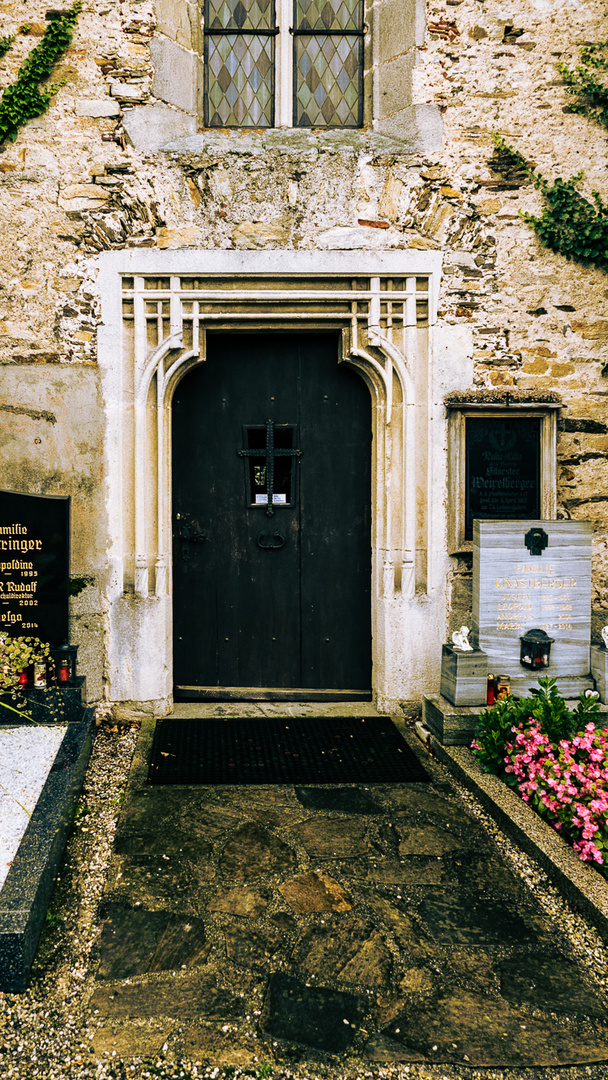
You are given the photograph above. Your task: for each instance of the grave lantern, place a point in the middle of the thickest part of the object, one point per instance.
(535, 649)
(65, 664)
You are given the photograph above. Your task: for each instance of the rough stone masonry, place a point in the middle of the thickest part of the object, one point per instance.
(90, 175)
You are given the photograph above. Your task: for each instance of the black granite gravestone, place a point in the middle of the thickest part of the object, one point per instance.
(502, 476)
(34, 566)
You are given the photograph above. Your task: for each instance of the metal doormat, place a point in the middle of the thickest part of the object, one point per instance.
(322, 750)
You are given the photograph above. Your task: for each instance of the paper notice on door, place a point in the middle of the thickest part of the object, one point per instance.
(277, 499)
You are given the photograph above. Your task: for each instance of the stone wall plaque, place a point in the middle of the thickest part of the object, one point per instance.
(34, 566)
(514, 591)
(502, 477)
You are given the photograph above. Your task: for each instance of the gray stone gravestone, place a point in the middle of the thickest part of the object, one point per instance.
(534, 575)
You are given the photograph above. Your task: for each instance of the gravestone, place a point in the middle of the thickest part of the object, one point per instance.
(34, 566)
(502, 476)
(534, 575)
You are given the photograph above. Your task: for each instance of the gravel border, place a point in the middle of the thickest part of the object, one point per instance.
(42, 1034)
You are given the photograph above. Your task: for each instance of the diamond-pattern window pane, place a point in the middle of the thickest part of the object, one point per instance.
(327, 81)
(239, 15)
(240, 78)
(328, 14)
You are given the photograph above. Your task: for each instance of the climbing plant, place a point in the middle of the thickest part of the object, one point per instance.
(569, 224)
(585, 85)
(5, 43)
(24, 99)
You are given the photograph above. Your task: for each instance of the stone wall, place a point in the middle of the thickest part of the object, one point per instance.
(90, 176)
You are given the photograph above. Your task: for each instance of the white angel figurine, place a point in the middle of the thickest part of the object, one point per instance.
(460, 639)
(605, 637)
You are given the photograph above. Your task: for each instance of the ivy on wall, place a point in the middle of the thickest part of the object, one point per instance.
(5, 44)
(24, 99)
(569, 224)
(585, 85)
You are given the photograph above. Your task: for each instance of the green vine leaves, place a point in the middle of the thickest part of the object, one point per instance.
(24, 99)
(585, 84)
(5, 44)
(569, 224)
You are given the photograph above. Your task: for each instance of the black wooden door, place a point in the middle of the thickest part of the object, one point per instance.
(271, 519)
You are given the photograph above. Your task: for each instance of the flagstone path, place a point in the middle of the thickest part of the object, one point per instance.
(372, 923)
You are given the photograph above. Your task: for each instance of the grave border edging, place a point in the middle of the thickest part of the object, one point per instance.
(580, 884)
(25, 895)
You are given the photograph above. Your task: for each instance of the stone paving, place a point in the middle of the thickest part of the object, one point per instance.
(373, 924)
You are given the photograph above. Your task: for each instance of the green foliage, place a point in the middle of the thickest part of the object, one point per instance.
(24, 99)
(16, 655)
(495, 729)
(585, 85)
(5, 44)
(557, 721)
(569, 224)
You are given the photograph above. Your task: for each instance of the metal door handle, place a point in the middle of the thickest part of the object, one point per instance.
(188, 537)
(267, 544)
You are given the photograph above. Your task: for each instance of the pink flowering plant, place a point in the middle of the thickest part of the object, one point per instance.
(557, 759)
(566, 784)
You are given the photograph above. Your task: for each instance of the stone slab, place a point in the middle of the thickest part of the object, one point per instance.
(97, 107)
(599, 670)
(463, 676)
(514, 591)
(315, 1016)
(63, 704)
(27, 890)
(453, 725)
(149, 127)
(176, 72)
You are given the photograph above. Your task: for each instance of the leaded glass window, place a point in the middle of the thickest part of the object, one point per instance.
(239, 63)
(328, 63)
(320, 78)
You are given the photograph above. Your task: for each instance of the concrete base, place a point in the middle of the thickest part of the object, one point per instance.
(25, 895)
(599, 670)
(453, 725)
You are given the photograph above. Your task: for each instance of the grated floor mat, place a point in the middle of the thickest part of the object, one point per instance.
(302, 750)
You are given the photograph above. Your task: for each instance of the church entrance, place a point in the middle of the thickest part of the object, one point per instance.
(271, 522)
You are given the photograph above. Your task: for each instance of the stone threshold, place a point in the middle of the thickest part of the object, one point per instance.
(579, 883)
(25, 895)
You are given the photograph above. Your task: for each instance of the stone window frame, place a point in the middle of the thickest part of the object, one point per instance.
(396, 33)
(509, 406)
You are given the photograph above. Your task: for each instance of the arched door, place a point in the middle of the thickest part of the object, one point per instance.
(271, 521)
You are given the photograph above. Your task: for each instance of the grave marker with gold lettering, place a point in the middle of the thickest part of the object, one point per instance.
(34, 566)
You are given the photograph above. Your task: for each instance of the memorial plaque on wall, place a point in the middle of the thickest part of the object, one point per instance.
(34, 566)
(502, 469)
